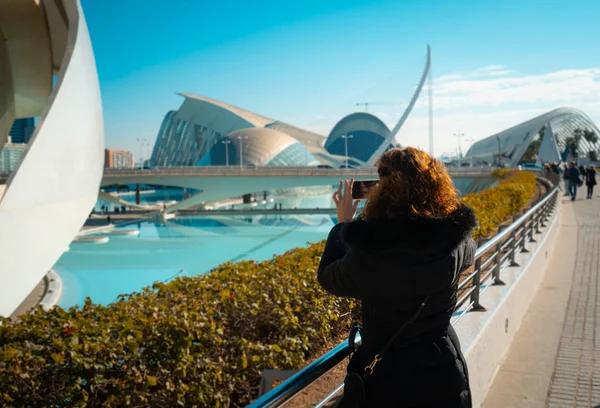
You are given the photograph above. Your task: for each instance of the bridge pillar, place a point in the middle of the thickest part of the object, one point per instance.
(137, 194)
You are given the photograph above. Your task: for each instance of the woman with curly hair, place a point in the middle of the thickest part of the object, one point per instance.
(402, 258)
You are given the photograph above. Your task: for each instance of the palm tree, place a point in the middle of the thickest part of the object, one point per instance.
(590, 136)
(572, 142)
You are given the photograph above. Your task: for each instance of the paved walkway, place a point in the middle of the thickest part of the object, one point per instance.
(554, 361)
(576, 378)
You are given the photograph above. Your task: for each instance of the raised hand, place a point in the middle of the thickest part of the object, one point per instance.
(346, 207)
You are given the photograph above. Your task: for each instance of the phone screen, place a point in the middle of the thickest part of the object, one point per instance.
(360, 189)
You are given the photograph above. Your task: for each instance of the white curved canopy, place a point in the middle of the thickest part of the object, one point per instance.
(49, 196)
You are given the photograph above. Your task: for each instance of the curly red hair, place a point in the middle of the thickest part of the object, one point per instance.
(412, 183)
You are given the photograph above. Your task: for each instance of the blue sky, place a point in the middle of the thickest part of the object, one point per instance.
(495, 63)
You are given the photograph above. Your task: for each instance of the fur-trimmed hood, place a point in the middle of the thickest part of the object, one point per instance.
(409, 235)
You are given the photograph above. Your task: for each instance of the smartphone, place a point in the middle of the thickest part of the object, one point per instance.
(360, 189)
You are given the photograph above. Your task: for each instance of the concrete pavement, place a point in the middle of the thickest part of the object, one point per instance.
(552, 360)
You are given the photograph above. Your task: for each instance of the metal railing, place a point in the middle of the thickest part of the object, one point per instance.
(490, 258)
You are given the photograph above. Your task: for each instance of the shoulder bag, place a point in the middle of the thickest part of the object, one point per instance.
(354, 382)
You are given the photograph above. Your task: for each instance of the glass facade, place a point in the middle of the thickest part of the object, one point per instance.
(294, 155)
(362, 144)
(181, 143)
(365, 135)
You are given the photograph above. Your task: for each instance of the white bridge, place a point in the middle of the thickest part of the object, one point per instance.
(217, 183)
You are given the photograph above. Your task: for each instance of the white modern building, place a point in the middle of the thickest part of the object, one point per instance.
(523, 143)
(47, 69)
(205, 131)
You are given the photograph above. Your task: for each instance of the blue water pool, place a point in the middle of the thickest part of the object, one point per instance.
(183, 246)
(194, 245)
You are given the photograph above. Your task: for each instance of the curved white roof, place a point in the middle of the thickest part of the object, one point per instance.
(513, 142)
(254, 118)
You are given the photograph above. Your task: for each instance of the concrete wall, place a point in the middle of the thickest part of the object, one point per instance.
(486, 336)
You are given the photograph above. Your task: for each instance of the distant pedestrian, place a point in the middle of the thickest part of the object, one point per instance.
(590, 180)
(574, 180)
(565, 172)
(279, 206)
(582, 170)
(108, 219)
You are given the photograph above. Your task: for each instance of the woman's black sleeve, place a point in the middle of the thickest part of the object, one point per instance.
(338, 273)
(468, 258)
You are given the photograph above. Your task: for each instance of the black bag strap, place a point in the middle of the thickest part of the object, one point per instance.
(369, 369)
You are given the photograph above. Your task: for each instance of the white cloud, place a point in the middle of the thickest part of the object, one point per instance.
(562, 87)
(487, 71)
(485, 101)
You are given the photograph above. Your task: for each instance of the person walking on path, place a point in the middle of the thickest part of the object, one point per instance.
(402, 259)
(590, 180)
(582, 170)
(574, 180)
(565, 172)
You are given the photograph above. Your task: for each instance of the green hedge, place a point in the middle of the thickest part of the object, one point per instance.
(493, 205)
(200, 341)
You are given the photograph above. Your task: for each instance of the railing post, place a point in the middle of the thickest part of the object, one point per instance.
(544, 216)
(513, 248)
(538, 216)
(477, 287)
(531, 226)
(498, 264)
(523, 231)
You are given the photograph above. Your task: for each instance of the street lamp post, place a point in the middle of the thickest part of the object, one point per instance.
(346, 137)
(241, 139)
(470, 140)
(142, 142)
(459, 135)
(226, 143)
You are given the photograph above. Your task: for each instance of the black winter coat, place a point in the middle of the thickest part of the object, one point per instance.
(391, 267)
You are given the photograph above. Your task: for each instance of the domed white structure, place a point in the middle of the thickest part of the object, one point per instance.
(358, 135)
(258, 147)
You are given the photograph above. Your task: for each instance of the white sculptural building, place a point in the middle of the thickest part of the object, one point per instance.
(47, 69)
(509, 146)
